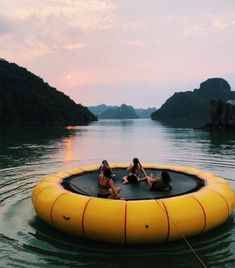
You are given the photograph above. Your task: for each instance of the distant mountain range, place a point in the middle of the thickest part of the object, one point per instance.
(25, 97)
(193, 108)
(124, 111)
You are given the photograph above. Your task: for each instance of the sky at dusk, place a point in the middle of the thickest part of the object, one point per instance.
(137, 52)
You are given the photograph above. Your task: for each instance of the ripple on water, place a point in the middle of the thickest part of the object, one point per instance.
(26, 241)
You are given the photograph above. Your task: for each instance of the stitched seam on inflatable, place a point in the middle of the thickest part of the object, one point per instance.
(83, 215)
(49, 186)
(224, 201)
(168, 221)
(53, 207)
(204, 213)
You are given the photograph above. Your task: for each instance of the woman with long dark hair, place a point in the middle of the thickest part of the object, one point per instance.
(135, 169)
(106, 187)
(104, 165)
(161, 183)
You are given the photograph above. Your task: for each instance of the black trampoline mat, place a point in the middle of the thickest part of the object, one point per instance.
(87, 184)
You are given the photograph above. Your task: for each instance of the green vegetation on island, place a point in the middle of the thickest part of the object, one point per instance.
(144, 113)
(122, 112)
(102, 110)
(25, 97)
(192, 108)
(99, 109)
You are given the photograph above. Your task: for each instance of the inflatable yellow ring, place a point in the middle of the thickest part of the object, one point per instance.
(134, 221)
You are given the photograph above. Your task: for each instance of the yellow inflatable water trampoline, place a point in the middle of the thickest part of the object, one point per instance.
(199, 201)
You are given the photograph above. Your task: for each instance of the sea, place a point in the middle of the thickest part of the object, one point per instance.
(30, 152)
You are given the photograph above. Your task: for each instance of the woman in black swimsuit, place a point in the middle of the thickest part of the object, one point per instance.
(106, 187)
(161, 183)
(135, 168)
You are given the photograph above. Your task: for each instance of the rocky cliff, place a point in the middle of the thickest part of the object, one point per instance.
(222, 115)
(192, 108)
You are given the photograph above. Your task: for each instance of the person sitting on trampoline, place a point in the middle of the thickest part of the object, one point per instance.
(135, 168)
(161, 183)
(106, 187)
(104, 165)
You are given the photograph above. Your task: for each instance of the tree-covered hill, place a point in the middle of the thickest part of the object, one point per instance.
(25, 97)
(192, 108)
(99, 109)
(122, 112)
(145, 112)
(141, 112)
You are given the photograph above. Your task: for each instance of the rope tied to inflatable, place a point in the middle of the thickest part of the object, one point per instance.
(182, 235)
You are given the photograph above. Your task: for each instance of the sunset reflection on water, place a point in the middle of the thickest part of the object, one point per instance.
(68, 152)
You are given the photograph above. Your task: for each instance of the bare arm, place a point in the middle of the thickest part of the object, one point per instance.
(130, 167)
(143, 171)
(155, 180)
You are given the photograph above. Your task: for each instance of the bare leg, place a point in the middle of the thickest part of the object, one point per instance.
(124, 180)
(144, 179)
(149, 181)
(112, 194)
(118, 189)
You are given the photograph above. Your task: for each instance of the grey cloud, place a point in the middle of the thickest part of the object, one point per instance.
(52, 32)
(5, 26)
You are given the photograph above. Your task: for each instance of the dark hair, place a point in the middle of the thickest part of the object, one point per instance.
(136, 162)
(103, 165)
(105, 162)
(107, 172)
(166, 177)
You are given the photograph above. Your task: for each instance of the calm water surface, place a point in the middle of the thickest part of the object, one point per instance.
(31, 152)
